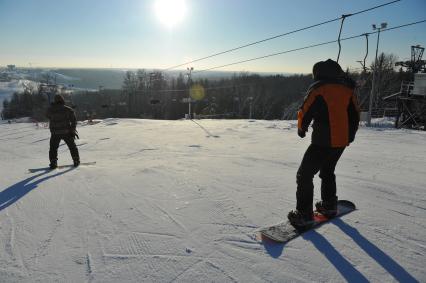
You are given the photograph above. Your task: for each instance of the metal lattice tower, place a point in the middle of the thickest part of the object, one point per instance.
(416, 64)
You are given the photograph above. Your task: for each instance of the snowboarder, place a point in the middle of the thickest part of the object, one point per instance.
(332, 105)
(62, 126)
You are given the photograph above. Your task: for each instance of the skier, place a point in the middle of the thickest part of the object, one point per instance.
(62, 127)
(332, 105)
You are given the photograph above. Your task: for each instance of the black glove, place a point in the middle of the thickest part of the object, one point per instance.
(301, 133)
(75, 134)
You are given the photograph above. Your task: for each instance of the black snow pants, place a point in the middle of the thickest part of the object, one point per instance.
(54, 145)
(322, 159)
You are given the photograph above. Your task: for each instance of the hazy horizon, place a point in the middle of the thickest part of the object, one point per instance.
(142, 68)
(161, 34)
(92, 78)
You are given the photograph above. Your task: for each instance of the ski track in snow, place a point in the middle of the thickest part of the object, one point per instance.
(179, 201)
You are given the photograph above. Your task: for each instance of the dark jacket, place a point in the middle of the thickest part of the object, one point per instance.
(62, 119)
(332, 105)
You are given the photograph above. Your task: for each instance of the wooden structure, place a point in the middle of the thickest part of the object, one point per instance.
(410, 101)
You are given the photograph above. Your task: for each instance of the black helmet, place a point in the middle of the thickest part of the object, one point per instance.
(328, 69)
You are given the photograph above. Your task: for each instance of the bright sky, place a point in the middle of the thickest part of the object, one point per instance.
(159, 34)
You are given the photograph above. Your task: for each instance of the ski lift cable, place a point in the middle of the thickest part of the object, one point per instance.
(311, 46)
(306, 47)
(281, 35)
(289, 51)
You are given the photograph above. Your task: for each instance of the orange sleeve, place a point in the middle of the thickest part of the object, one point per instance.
(303, 120)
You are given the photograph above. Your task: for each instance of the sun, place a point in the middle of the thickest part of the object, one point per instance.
(170, 12)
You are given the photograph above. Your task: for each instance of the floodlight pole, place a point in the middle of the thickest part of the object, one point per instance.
(190, 69)
(373, 84)
(251, 107)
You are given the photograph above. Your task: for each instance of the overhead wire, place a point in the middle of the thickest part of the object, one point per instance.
(306, 47)
(284, 52)
(281, 35)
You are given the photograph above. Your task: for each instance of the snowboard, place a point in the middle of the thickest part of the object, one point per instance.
(284, 232)
(33, 170)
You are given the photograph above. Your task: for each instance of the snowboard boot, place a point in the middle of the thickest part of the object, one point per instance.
(327, 208)
(53, 164)
(76, 163)
(300, 219)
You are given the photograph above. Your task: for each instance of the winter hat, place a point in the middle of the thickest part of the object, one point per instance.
(58, 99)
(328, 69)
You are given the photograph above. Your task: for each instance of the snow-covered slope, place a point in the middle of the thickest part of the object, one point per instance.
(180, 201)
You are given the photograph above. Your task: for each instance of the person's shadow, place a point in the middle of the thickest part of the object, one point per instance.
(343, 266)
(13, 193)
(390, 265)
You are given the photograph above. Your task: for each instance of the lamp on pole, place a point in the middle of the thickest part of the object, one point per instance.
(190, 69)
(373, 84)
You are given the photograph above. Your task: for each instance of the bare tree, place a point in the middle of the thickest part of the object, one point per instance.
(386, 77)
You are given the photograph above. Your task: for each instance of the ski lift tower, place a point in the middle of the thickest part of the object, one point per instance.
(416, 64)
(411, 99)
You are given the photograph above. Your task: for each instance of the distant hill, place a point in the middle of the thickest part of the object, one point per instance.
(107, 78)
(91, 78)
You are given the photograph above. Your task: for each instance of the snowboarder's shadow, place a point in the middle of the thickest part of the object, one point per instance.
(346, 269)
(390, 265)
(13, 193)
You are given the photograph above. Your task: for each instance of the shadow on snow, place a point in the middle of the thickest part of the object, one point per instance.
(389, 264)
(343, 266)
(13, 193)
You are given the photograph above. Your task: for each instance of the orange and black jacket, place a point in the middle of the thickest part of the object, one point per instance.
(333, 107)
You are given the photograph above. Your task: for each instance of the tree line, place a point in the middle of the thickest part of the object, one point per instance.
(152, 95)
(155, 95)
